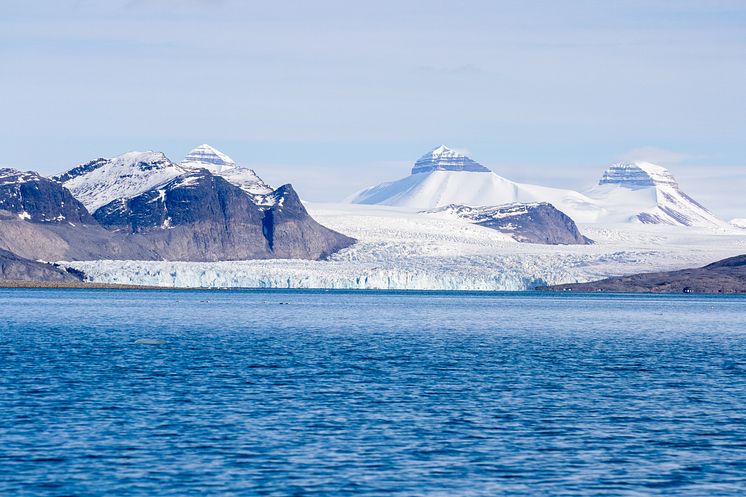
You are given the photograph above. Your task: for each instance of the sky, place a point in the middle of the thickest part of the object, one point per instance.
(334, 96)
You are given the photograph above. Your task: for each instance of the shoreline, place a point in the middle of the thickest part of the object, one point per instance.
(76, 284)
(556, 290)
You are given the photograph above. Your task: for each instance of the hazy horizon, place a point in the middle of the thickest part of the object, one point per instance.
(334, 97)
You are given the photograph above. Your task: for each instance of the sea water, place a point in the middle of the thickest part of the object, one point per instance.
(151, 393)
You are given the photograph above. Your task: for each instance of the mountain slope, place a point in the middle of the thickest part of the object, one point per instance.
(40, 219)
(738, 223)
(219, 164)
(528, 223)
(199, 216)
(103, 180)
(205, 209)
(13, 267)
(40, 200)
(443, 177)
(648, 193)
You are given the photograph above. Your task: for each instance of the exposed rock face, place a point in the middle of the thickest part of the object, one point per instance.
(39, 200)
(726, 276)
(41, 220)
(293, 234)
(196, 216)
(529, 223)
(443, 158)
(201, 217)
(13, 267)
(147, 208)
(67, 242)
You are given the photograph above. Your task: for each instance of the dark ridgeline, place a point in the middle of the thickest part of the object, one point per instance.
(200, 216)
(39, 200)
(535, 223)
(540, 223)
(196, 216)
(725, 276)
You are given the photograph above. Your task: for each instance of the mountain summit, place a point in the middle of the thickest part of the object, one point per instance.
(209, 158)
(443, 158)
(635, 175)
(648, 193)
(219, 164)
(443, 177)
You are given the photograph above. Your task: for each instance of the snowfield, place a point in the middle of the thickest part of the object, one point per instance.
(399, 248)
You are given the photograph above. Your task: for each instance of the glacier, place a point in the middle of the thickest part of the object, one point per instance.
(402, 249)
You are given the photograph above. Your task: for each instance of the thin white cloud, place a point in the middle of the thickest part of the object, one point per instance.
(655, 154)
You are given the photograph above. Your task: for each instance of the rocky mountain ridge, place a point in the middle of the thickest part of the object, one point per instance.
(528, 223)
(142, 206)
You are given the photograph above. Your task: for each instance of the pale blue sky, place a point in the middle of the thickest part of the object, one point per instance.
(336, 95)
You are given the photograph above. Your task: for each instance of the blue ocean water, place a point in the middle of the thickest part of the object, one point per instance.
(370, 393)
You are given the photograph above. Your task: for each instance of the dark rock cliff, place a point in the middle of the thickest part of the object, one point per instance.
(202, 217)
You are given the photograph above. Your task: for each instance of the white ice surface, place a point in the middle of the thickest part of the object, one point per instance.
(401, 249)
(739, 223)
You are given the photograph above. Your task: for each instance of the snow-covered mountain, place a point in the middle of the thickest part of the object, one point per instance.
(739, 223)
(648, 193)
(636, 192)
(101, 181)
(206, 208)
(219, 164)
(125, 176)
(443, 177)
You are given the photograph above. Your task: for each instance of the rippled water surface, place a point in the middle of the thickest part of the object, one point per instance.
(322, 393)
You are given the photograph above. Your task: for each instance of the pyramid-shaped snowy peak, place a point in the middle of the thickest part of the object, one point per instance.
(637, 175)
(209, 158)
(443, 158)
(647, 193)
(218, 163)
